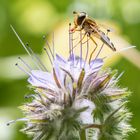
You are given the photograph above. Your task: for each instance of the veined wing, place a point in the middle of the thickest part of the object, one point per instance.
(97, 24)
(91, 22)
(101, 35)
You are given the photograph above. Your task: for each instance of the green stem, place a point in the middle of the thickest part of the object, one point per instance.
(83, 135)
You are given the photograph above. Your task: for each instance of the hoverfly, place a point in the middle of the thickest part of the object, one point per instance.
(91, 28)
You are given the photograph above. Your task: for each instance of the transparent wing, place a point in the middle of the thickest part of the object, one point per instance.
(101, 25)
(101, 35)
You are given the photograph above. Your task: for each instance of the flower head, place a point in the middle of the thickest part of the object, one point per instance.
(76, 96)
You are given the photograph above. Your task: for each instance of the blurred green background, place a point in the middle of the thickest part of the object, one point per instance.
(33, 19)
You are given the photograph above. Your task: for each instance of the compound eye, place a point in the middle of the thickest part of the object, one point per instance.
(82, 14)
(80, 19)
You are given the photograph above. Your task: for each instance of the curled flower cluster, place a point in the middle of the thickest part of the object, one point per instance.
(77, 100)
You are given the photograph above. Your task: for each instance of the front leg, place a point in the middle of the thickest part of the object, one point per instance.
(75, 28)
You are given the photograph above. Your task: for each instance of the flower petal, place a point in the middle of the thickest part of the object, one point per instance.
(41, 79)
(96, 64)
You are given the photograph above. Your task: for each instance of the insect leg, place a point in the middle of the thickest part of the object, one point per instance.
(75, 29)
(79, 41)
(93, 49)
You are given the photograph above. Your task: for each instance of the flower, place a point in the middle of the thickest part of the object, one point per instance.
(77, 98)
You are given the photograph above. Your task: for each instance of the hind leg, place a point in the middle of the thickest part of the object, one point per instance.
(93, 49)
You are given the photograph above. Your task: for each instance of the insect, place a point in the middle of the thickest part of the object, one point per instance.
(91, 29)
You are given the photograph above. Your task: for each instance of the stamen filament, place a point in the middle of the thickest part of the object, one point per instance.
(20, 40)
(22, 69)
(13, 121)
(24, 63)
(50, 49)
(24, 46)
(38, 59)
(70, 39)
(30, 74)
(53, 45)
(86, 51)
(48, 55)
(81, 51)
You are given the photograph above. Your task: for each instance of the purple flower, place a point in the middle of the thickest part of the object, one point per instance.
(76, 96)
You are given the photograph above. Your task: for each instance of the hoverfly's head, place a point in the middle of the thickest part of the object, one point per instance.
(79, 17)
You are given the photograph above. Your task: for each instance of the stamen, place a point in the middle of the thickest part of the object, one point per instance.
(72, 48)
(72, 79)
(50, 49)
(81, 51)
(53, 45)
(32, 56)
(70, 39)
(22, 69)
(71, 44)
(24, 63)
(20, 40)
(23, 45)
(56, 79)
(79, 41)
(30, 74)
(10, 122)
(38, 59)
(13, 121)
(87, 50)
(48, 55)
